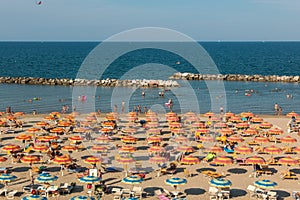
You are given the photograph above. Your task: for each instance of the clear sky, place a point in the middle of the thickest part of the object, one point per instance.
(203, 20)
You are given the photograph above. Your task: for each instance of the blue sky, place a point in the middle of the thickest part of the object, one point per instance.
(204, 20)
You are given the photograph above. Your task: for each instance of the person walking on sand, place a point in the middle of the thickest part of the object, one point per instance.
(123, 107)
(276, 108)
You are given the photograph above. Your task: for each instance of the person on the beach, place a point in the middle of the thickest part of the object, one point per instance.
(276, 108)
(221, 110)
(123, 107)
(143, 94)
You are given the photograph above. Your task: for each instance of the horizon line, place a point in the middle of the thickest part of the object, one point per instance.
(153, 41)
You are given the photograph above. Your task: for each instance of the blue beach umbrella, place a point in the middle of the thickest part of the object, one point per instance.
(82, 198)
(7, 177)
(89, 179)
(132, 180)
(175, 181)
(46, 178)
(220, 183)
(34, 197)
(265, 184)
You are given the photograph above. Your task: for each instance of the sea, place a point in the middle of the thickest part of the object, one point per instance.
(66, 60)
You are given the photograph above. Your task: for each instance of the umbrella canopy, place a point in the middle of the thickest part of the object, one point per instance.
(226, 131)
(152, 124)
(265, 125)
(292, 114)
(222, 160)
(157, 159)
(154, 139)
(128, 139)
(243, 149)
(92, 160)
(153, 131)
(132, 180)
(261, 139)
(99, 148)
(220, 183)
(250, 131)
(235, 138)
(175, 181)
(189, 160)
(185, 148)
(62, 159)
(75, 138)
(265, 184)
(89, 179)
(125, 160)
(33, 130)
(209, 114)
(47, 138)
(40, 147)
(178, 131)
(235, 119)
(296, 149)
(2, 159)
(129, 130)
(272, 150)
(215, 149)
(103, 139)
(181, 139)
(201, 131)
(64, 124)
(198, 125)
(256, 120)
(82, 198)
(46, 178)
(288, 139)
(156, 149)
(229, 114)
(247, 114)
(207, 139)
(57, 130)
(30, 159)
(173, 125)
(275, 131)
(220, 125)
(11, 147)
(69, 148)
(80, 130)
(128, 149)
(7, 177)
(255, 160)
(288, 161)
(34, 197)
(242, 125)
(23, 137)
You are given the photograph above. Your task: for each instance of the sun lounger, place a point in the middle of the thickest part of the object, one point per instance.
(3, 191)
(289, 175)
(11, 194)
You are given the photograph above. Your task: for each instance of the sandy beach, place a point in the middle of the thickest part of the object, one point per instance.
(197, 185)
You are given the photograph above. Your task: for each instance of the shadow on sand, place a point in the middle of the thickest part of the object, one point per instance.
(150, 190)
(237, 171)
(20, 169)
(282, 193)
(194, 191)
(237, 192)
(206, 169)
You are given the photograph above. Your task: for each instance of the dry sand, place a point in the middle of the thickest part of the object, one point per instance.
(196, 187)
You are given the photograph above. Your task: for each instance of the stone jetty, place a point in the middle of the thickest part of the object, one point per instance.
(83, 82)
(235, 77)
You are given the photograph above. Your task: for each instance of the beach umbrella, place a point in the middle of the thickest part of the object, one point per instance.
(198, 125)
(235, 119)
(272, 150)
(152, 124)
(215, 149)
(105, 130)
(191, 119)
(190, 114)
(82, 198)
(128, 149)
(154, 139)
(288, 140)
(235, 138)
(171, 114)
(255, 160)
(265, 125)
(69, 148)
(209, 114)
(247, 114)
(19, 114)
(103, 139)
(207, 139)
(80, 130)
(181, 139)
(62, 159)
(47, 138)
(11, 147)
(256, 120)
(265, 184)
(132, 179)
(157, 159)
(55, 113)
(288, 161)
(250, 131)
(64, 124)
(243, 149)
(222, 160)
(220, 125)
(40, 148)
(185, 148)
(57, 130)
(2, 159)
(34, 197)
(125, 160)
(189, 160)
(46, 178)
(89, 179)
(156, 149)
(292, 114)
(220, 183)
(11, 117)
(108, 124)
(99, 148)
(172, 119)
(30, 159)
(275, 131)
(23, 137)
(178, 131)
(7, 177)
(226, 131)
(229, 114)
(173, 125)
(261, 139)
(201, 131)
(150, 113)
(75, 138)
(153, 131)
(296, 149)
(132, 118)
(152, 119)
(92, 160)
(128, 139)
(33, 130)
(176, 181)
(49, 118)
(242, 125)
(129, 130)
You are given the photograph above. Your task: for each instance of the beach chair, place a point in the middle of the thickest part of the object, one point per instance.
(137, 192)
(252, 190)
(3, 191)
(272, 195)
(11, 194)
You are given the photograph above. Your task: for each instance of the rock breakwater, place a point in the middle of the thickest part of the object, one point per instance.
(83, 82)
(235, 77)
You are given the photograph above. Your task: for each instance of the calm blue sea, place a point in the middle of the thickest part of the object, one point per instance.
(63, 60)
